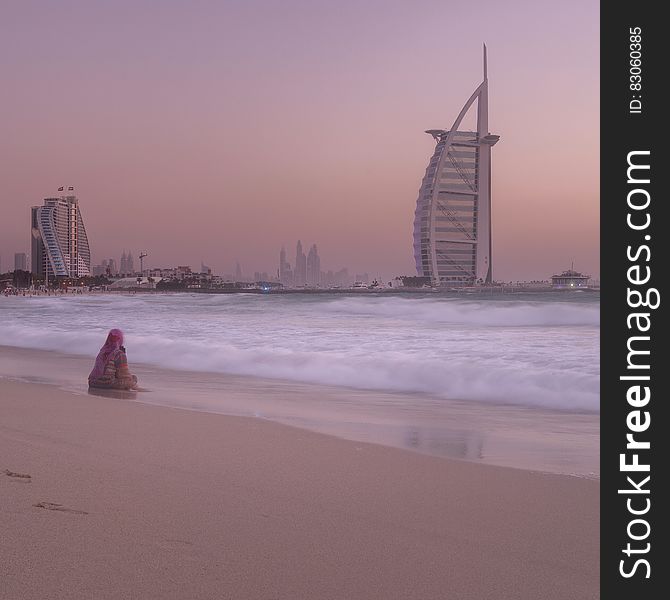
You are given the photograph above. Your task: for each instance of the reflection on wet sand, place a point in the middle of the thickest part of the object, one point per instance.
(109, 393)
(516, 436)
(452, 443)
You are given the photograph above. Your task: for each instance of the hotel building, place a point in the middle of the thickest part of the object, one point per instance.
(452, 221)
(59, 245)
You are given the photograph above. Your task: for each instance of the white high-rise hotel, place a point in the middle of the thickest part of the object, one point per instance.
(59, 245)
(452, 221)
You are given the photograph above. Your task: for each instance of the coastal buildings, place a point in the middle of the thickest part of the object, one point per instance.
(452, 221)
(285, 272)
(59, 245)
(20, 261)
(107, 267)
(300, 271)
(313, 268)
(127, 266)
(111, 265)
(307, 271)
(570, 279)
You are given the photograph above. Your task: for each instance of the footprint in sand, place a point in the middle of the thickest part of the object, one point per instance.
(183, 547)
(59, 507)
(22, 477)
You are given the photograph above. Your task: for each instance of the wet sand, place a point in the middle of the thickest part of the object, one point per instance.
(529, 438)
(102, 497)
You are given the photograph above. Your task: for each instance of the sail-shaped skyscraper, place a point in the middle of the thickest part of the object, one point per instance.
(452, 221)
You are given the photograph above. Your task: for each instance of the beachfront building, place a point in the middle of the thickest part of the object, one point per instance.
(59, 245)
(452, 221)
(570, 279)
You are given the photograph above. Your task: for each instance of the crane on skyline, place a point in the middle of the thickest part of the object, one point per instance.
(142, 255)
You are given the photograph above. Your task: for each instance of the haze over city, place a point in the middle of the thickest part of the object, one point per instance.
(220, 131)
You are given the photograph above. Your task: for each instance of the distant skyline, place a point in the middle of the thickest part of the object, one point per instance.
(220, 131)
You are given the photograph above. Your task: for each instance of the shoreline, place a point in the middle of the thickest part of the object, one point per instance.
(130, 499)
(447, 291)
(534, 439)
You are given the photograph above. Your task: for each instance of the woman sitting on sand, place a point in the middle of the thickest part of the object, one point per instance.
(111, 365)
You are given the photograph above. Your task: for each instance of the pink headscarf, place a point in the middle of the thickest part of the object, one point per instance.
(113, 343)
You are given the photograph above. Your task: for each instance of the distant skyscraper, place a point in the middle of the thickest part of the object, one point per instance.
(238, 272)
(452, 221)
(20, 261)
(111, 265)
(285, 273)
(300, 271)
(59, 245)
(126, 266)
(313, 267)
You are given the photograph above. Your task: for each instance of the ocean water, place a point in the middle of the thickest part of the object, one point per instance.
(509, 379)
(536, 350)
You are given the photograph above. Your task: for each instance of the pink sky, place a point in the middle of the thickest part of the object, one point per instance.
(218, 131)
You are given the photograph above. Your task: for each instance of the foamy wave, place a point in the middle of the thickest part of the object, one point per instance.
(69, 342)
(458, 378)
(492, 313)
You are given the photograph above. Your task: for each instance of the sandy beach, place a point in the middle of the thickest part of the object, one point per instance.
(110, 498)
(535, 440)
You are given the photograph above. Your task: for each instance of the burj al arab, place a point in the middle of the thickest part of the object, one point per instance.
(452, 221)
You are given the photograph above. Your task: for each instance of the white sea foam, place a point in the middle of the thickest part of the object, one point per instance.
(503, 313)
(538, 353)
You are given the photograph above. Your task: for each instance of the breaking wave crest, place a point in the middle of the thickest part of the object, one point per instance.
(494, 377)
